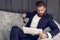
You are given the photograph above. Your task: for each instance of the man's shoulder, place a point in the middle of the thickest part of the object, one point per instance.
(33, 11)
(49, 15)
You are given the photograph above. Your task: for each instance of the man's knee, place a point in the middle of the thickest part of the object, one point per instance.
(16, 29)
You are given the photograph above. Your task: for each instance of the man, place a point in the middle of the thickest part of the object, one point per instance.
(37, 19)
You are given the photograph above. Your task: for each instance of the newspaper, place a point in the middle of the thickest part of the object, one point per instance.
(33, 31)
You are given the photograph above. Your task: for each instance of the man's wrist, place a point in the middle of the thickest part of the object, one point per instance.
(49, 35)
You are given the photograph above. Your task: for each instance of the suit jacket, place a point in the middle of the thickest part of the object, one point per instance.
(44, 22)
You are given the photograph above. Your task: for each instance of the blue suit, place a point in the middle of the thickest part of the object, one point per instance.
(45, 21)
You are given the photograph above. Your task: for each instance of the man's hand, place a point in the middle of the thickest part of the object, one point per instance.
(23, 15)
(43, 35)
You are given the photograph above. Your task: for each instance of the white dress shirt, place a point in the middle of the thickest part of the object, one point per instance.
(35, 21)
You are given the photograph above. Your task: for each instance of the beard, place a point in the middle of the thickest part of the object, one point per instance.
(40, 14)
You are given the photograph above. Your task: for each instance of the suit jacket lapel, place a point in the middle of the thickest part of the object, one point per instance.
(40, 24)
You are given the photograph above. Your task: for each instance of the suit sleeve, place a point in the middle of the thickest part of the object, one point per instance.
(30, 14)
(53, 26)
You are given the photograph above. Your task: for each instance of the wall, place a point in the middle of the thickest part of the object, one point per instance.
(17, 5)
(52, 8)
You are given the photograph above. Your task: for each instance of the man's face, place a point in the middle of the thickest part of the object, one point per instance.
(41, 10)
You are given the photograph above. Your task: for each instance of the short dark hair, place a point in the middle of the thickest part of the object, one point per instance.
(40, 3)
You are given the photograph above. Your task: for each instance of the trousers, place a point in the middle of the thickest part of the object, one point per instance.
(18, 34)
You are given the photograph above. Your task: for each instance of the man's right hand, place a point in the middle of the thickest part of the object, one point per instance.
(23, 15)
(43, 35)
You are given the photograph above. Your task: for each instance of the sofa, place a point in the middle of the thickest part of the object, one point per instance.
(9, 19)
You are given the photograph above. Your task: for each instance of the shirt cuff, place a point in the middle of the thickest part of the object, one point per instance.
(49, 35)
